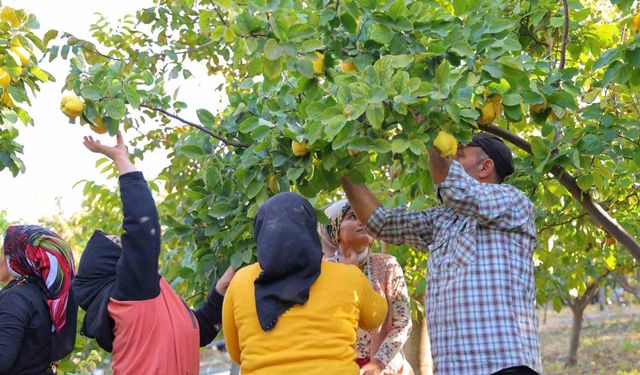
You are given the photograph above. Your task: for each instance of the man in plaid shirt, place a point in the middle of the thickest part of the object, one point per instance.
(480, 285)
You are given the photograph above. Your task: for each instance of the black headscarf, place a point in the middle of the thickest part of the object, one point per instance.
(92, 287)
(289, 253)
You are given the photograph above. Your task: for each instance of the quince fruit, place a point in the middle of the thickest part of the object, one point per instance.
(318, 63)
(539, 107)
(299, 148)
(635, 23)
(98, 126)
(488, 114)
(72, 106)
(347, 66)
(446, 143)
(6, 100)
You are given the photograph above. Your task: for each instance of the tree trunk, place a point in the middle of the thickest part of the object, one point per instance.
(426, 362)
(624, 283)
(544, 317)
(576, 327)
(601, 298)
(412, 346)
(417, 349)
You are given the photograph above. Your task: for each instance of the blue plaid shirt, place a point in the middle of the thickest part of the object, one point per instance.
(480, 285)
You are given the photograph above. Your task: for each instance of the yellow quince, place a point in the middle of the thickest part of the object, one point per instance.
(446, 143)
(72, 106)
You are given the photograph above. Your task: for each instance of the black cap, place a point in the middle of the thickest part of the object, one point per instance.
(496, 150)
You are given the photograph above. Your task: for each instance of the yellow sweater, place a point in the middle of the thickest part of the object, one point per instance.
(316, 338)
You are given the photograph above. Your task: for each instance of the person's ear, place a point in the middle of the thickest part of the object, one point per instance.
(486, 168)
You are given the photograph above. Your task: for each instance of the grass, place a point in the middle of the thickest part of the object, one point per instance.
(609, 343)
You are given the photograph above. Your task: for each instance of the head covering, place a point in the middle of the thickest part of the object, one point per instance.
(335, 213)
(497, 151)
(289, 253)
(330, 232)
(35, 254)
(92, 287)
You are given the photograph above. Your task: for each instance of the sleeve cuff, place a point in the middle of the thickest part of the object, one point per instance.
(376, 222)
(215, 298)
(133, 176)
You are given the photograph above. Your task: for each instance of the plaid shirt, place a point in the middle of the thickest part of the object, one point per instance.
(480, 285)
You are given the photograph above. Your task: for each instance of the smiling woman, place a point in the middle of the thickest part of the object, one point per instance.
(378, 351)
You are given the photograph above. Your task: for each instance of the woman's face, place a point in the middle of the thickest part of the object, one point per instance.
(5, 276)
(352, 234)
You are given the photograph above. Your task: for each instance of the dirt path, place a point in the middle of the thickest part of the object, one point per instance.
(609, 344)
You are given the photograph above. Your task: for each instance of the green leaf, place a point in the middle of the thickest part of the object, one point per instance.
(40, 74)
(556, 22)
(442, 73)
(91, 92)
(512, 99)
(417, 147)
(399, 146)
(585, 182)
(311, 45)
(562, 99)
(375, 115)
(294, 173)
(381, 33)
(192, 151)
(116, 109)
(206, 118)
(273, 50)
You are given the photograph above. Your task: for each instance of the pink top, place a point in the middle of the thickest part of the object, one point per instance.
(155, 336)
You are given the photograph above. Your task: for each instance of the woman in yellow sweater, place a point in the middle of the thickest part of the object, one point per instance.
(292, 313)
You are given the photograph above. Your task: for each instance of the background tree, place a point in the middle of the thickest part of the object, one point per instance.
(317, 89)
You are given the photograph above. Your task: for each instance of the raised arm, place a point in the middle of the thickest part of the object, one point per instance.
(494, 205)
(137, 270)
(209, 315)
(361, 199)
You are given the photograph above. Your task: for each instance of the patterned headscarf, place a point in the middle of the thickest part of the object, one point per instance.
(330, 232)
(36, 253)
(336, 213)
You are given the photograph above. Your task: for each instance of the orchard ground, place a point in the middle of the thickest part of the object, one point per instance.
(609, 343)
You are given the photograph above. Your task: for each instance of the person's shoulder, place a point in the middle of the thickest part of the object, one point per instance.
(341, 271)
(22, 294)
(247, 273)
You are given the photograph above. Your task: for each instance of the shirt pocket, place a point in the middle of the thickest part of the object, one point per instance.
(454, 249)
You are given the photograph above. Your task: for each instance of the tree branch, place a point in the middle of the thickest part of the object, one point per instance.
(197, 126)
(593, 208)
(561, 223)
(565, 34)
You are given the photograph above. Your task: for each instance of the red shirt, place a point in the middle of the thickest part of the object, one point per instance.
(155, 336)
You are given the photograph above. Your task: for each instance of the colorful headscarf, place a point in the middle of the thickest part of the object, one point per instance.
(330, 232)
(336, 213)
(34, 252)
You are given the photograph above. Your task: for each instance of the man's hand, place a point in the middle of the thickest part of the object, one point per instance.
(223, 283)
(361, 199)
(374, 367)
(118, 153)
(438, 165)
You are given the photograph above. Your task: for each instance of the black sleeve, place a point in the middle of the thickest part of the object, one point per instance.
(137, 269)
(15, 315)
(209, 317)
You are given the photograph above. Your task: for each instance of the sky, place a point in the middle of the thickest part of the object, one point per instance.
(54, 156)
